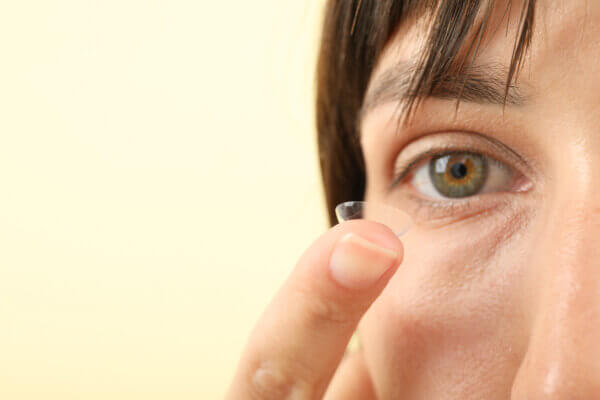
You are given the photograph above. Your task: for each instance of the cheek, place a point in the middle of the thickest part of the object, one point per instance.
(454, 309)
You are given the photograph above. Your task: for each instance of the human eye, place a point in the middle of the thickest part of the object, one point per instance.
(454, 174)
(461, 174)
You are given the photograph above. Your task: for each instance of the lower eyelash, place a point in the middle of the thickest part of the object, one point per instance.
(447, 207)
(429, 211)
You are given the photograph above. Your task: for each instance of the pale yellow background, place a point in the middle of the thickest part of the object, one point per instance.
(158, 180)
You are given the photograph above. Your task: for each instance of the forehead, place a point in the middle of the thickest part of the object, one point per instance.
(565, 38)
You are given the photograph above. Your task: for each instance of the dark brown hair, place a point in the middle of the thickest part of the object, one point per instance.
(354, 35)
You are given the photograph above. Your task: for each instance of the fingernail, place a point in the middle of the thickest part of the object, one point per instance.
(357, 263)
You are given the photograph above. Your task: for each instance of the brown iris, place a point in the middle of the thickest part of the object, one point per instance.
(458, 175)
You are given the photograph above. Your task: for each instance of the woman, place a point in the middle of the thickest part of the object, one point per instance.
(482, 120)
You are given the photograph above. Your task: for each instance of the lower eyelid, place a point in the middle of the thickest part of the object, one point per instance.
(433, 214)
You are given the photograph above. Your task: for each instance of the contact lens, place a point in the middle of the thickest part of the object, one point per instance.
(397, 220)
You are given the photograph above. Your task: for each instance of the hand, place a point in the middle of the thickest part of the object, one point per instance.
(298, 343)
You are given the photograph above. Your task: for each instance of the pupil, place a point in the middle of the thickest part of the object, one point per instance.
(458, 170)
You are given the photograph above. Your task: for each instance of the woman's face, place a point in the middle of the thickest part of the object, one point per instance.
(499, 291)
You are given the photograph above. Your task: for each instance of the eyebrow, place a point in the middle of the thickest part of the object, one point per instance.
(478, 83)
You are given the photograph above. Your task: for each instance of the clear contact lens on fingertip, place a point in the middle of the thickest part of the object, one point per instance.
(397, 220)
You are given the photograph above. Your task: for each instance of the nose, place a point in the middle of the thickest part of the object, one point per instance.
(562, 359)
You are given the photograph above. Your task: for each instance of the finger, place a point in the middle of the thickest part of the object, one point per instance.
(351, 380)
(300, 339)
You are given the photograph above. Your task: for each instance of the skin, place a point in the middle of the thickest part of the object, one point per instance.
(500, 300)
